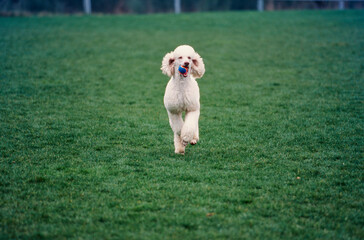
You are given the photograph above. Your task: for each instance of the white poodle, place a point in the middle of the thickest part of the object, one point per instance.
(182, 94)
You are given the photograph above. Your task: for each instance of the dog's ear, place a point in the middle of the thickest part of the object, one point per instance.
(198, 67)
(168, 64)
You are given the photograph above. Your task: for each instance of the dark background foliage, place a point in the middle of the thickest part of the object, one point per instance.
(157, 6)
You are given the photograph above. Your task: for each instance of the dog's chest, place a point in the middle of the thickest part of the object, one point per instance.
(182, 97)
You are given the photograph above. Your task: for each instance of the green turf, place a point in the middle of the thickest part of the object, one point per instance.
(87, 151)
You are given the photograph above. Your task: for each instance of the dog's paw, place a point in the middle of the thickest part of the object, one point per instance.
(181, 152)
(186, 139)
(193, 142)
(180, 149)
(185, 143)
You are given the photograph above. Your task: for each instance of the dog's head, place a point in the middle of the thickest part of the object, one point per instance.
(184, 61)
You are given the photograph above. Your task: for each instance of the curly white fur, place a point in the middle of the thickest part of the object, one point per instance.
(183, 95)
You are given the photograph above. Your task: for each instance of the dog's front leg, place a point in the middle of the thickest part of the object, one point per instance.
(176, 122)
(189, 132)
(196, 137)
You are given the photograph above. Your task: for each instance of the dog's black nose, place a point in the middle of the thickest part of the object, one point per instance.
(186, 64)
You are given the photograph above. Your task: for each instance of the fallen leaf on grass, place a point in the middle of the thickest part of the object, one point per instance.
(210, 214)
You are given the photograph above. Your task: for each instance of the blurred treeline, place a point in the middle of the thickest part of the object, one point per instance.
(123, 6)
(157, 6)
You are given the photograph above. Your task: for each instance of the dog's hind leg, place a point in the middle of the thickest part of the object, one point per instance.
(179, 147)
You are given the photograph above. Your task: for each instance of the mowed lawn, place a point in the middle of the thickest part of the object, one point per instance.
(86, 150)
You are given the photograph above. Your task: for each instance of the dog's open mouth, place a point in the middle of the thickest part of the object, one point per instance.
(183, 70)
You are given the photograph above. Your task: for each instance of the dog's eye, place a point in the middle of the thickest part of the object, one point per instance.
(189, 57)
(180, 57)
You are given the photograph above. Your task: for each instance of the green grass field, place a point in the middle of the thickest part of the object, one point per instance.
(87, 151)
